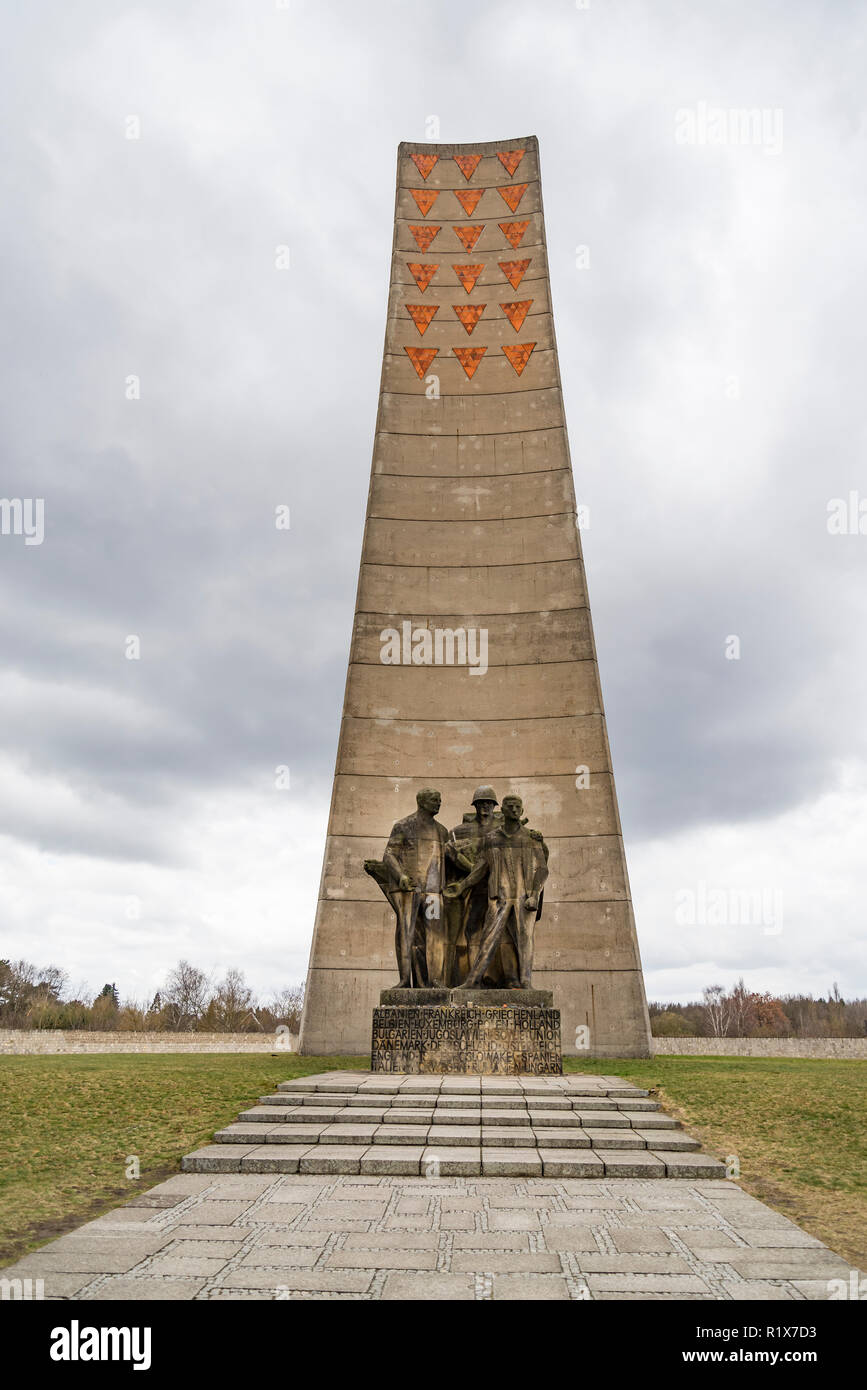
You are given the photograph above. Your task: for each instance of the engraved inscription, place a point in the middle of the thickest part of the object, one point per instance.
(484, 1041)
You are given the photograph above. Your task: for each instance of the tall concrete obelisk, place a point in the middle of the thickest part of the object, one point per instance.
(471, 525)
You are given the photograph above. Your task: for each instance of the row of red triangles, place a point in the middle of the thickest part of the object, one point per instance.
(468, 236)
(469, 358)
(468, 163)
(424, 271)
(511, 196)
(514, 233)
(423, 315)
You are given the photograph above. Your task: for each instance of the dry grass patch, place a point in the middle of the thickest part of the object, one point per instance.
(796, 1125)
(69, 1124)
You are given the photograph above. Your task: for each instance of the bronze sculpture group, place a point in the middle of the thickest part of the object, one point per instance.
(465, 902)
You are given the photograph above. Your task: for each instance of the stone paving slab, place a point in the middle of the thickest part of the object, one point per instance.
(401, 1134)
(571, 1163)
(614, 1139)
(506, 1162)
(255, 1134)
(375, 1236)
(277, 1158)
(685, 1165)
(673, 1141)
(600, 1119)
(405, 1160)
(564, 1138)
(630, 1163)
(505, 1136)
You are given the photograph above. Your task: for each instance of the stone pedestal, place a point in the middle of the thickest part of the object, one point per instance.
(476, 1032)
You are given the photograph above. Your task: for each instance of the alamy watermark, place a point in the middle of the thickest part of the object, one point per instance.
(435, 646)
(854, 1288)
(77, 1343)
(286, 1040)
(22, 1290)
(733, 125)
(847, 516)
(23, 516)
(705, 906)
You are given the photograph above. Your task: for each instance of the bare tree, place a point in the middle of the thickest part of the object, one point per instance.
(717, 1010)
(185, 997)
(53, 981)
(286, 1006)
(232, 1003)
(741, 1010)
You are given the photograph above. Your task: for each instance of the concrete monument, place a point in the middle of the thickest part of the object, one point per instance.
(472, 657)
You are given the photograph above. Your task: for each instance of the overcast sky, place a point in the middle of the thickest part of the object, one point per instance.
(709, 301)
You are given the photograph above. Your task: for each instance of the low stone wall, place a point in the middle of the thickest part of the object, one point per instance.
(45, 1042)
(844, 1048)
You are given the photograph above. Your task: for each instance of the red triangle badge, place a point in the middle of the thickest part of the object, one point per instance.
(423, 236)
(519, 355)
(510, 159)
(469, 314)
(467, 163)
(421, 273)
(468, 198)
(468, 275)
(469, 358)
(425, 162)
(426, 197)
(512, 195)
(468, 236)
(513, 232)
(421, 315)
(515, 312)
(514, 271)
(421, 358)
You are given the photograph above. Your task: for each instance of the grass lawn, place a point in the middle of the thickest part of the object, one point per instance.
(797, 1126)
(67, 1125)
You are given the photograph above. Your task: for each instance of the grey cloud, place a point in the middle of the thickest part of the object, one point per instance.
(157, 257)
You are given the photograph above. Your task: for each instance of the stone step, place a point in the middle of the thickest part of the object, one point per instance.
(455, 1125)
(413, 1100)
(419, 1109)
(444, 1114)
(469, 1161)
(476, 1086)
(449, 1135)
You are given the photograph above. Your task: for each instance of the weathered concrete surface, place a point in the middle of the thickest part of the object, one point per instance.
(471, 523)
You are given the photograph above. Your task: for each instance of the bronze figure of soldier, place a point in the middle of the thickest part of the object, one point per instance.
(514, 865)
(466, 915)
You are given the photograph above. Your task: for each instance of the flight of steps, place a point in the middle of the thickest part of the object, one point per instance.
(449, 1126)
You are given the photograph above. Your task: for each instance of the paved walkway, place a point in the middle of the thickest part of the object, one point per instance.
(236, 1236)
